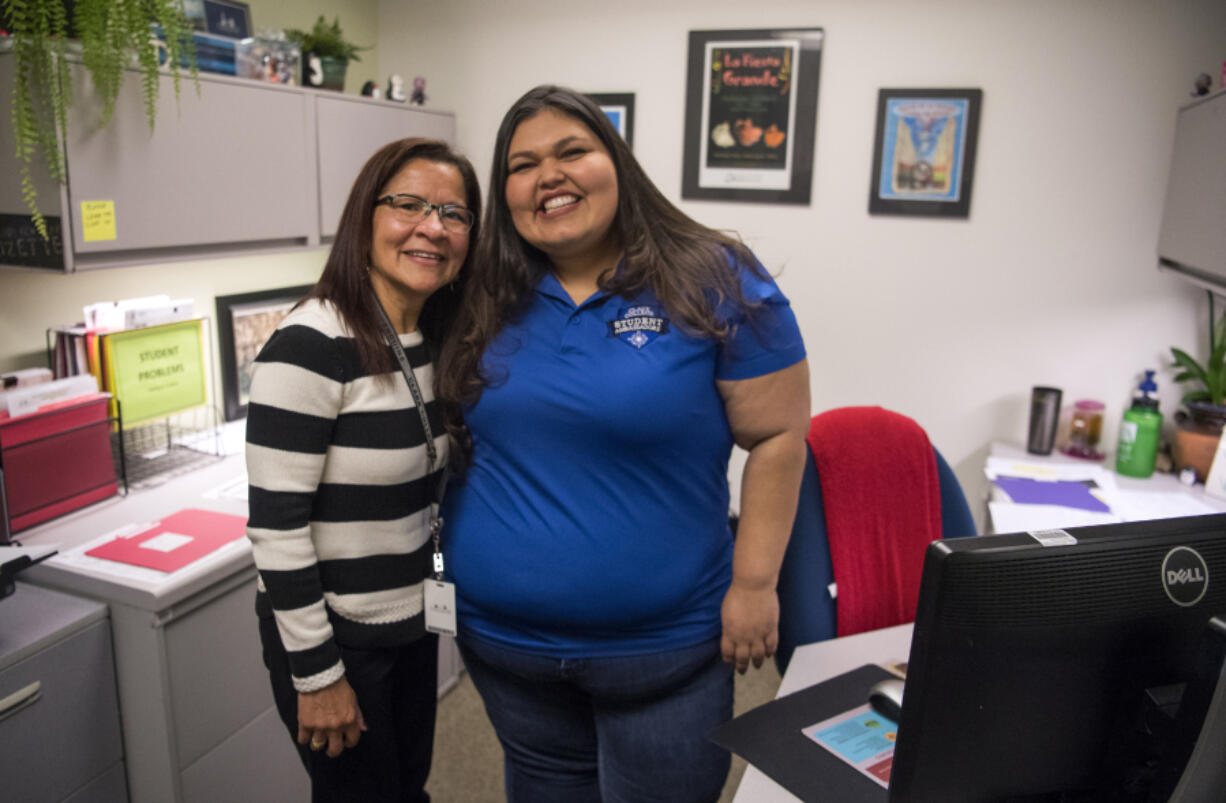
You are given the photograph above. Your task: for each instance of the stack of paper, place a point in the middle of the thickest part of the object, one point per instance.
(1034, 495)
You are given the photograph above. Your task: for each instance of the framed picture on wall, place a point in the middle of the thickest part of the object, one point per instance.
(244, 323)
(227, 18)
(751, 115)
(924, 152)
(619, 108)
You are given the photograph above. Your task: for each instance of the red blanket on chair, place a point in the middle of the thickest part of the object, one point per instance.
(882, 498)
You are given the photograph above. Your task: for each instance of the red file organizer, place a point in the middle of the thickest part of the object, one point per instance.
(55, 461)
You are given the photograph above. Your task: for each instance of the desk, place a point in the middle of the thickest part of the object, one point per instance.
(198, 717)
(1157, 485)
(199, 724)
(813, 663)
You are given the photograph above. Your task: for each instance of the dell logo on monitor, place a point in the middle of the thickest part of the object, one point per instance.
(1185, 576)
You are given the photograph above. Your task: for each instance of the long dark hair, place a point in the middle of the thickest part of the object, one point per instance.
(683, 263)
(345, 280)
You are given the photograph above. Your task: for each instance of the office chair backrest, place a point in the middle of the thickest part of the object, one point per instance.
(873, 495)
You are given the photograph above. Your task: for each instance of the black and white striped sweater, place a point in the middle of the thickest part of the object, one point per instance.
(339, 497)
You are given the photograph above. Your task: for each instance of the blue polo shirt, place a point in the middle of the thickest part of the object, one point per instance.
(593, 520)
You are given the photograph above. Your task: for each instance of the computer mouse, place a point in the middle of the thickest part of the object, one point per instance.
(886, 698)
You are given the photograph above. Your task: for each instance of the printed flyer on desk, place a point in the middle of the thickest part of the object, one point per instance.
(860, 737)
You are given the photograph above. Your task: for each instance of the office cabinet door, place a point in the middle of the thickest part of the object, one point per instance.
(351, 130)
(229, 167)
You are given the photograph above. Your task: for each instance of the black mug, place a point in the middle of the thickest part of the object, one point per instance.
(1044, 417)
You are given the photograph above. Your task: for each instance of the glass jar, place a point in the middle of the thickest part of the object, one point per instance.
(1085, 430)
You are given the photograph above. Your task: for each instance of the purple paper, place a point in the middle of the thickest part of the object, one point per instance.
(1069, 493)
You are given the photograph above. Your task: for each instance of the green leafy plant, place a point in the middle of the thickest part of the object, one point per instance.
(42, 92)
(1212, 375)
(112, 32)
(325, 40)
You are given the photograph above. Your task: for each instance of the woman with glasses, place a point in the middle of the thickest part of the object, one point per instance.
(343, 477)
(610, 353)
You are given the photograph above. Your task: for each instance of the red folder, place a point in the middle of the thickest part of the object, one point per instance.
(175, 541)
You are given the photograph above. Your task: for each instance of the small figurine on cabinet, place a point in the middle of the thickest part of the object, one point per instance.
(369, 90)
(1203, 85)
(419, 91)
(315, 71)
(395, 88)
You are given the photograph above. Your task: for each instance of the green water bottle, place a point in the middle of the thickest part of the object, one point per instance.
(1140, 431)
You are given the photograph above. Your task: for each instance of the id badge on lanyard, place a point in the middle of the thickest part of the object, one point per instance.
(438, 594)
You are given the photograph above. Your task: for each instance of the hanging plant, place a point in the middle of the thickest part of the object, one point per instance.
(42, 91)
(112, 34)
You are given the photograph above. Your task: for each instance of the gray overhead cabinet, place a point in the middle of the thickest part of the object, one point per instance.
(243, 167)
(350, 128)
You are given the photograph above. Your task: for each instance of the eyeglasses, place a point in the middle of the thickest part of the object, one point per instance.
(455, 218)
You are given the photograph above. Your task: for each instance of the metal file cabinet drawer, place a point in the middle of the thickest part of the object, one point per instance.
(110, 787)
(69, 737)
(258, 763)
(218, 682)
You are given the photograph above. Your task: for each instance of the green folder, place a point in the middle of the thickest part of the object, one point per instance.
(156, 371)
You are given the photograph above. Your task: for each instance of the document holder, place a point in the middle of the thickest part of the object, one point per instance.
(54, 461)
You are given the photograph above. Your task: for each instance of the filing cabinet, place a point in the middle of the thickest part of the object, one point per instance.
(61, 742)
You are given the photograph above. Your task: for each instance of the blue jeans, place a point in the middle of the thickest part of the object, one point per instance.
(626, 729)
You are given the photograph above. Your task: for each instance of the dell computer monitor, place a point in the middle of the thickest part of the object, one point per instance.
(1052, 666)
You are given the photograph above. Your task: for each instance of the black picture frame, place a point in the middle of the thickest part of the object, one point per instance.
(227, 18)
(619, 107)
(244, 322)
(937, 183)
(754, 164)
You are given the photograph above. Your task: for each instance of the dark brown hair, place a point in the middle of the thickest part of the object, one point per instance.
(346, 281)
(683, 263)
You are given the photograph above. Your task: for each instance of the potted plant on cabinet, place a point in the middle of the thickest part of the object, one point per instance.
(1200, 427)
(110, 37)
(325, 54)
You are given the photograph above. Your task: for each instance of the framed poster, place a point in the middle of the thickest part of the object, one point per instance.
(227, 18)
(751, 115)
(244, 323)
(619, 108)
(924, 152)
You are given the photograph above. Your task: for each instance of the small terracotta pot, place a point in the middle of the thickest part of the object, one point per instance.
(1197, 432)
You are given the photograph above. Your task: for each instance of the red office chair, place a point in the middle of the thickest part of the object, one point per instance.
(874, 494)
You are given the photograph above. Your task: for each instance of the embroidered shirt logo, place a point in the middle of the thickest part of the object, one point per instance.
(638, 325)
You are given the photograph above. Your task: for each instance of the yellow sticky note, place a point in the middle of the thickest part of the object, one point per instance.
(98, 220)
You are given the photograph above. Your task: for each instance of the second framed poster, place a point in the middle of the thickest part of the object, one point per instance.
(619, 108)
(751, 115)
(244, 322)
(924, 152)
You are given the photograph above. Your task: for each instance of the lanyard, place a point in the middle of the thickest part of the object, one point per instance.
(436, 522)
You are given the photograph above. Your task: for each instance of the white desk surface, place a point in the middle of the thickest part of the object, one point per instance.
(1157, 483)
(813, 663)
(148, 589)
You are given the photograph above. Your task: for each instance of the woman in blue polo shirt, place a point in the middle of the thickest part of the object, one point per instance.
(611, 352)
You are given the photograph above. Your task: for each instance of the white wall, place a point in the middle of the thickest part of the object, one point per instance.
(1052, 280)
